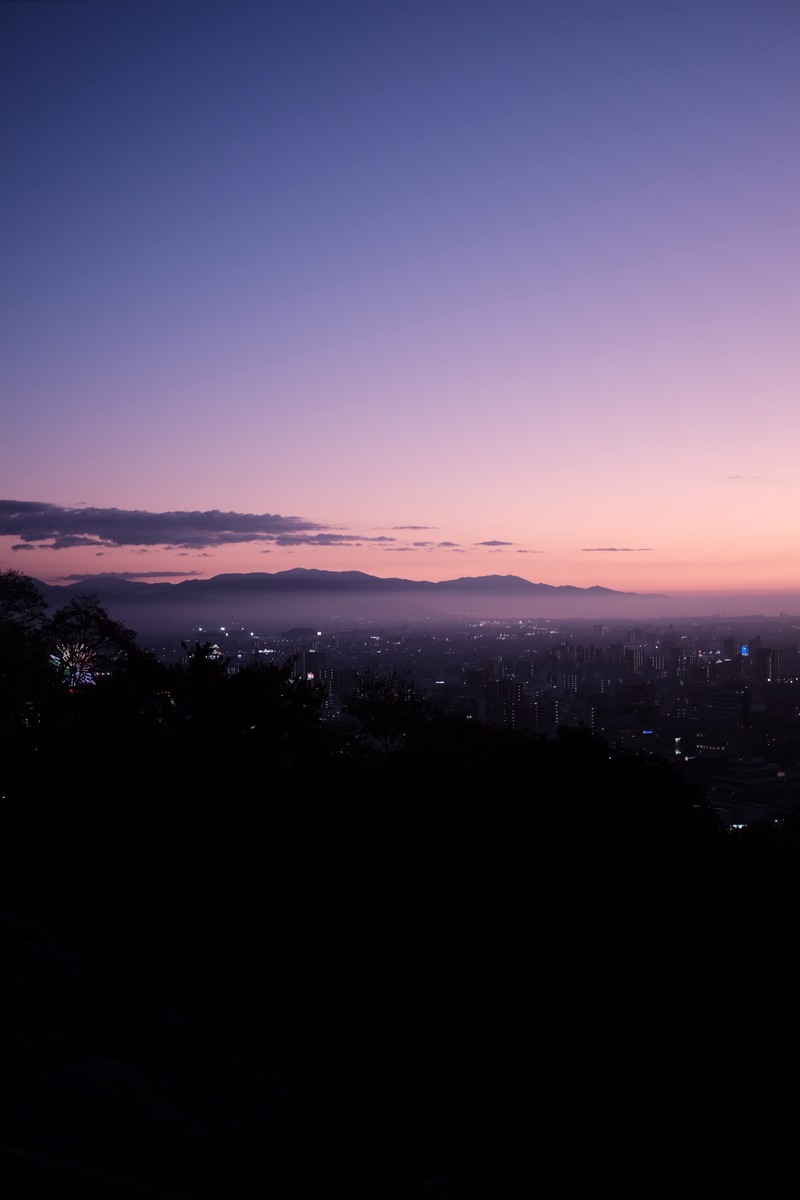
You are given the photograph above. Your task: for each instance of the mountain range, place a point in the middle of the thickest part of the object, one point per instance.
(325, 598)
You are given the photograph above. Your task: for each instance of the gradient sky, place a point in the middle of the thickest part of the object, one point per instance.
(462, 288)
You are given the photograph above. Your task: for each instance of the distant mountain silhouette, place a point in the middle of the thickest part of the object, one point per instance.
(308, 596)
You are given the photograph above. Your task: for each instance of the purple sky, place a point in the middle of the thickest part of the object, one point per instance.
(422, 289)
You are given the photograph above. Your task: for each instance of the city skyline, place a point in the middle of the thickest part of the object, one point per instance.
(420, 290)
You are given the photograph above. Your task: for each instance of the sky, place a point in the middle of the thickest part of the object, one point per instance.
(421, 289)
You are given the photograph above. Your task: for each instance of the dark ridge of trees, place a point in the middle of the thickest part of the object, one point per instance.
(22, 606)
(432, 926)
(389, 708)
(24, 674)
(85, 620)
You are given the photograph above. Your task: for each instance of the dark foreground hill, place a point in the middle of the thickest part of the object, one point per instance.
(249, 953)
(340, 972)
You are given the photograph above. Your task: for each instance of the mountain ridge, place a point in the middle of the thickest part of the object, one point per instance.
(311, 579)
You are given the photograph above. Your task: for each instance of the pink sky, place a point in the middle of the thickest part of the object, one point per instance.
(527, 278)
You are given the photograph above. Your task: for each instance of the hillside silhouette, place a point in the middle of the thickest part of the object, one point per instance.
(252, 952)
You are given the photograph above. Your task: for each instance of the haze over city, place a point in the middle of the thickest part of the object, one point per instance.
(422, 290)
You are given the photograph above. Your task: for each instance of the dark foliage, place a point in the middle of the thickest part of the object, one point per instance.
(390, 709)
(84, 620)
(426, 926)
(21, 604)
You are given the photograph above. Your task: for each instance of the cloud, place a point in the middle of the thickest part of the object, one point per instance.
(744, 476)
(69, 541)
(414, 527)
(434, 545)
(87, 577)
(530, 552)
(494, 542)
(52, 527)
(326, 539)
(614, 549)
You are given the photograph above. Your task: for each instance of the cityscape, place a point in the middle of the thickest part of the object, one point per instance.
(719, 699)
(722, 700)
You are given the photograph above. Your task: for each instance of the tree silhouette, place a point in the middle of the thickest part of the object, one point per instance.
(25, 680)
(82, 634)
(85, 620)
(390, 708)
(21, 603)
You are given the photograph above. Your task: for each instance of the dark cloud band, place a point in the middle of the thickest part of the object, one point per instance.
(56, 528)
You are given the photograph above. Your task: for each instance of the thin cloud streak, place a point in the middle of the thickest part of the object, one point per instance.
(89, 576)
(327, 539)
